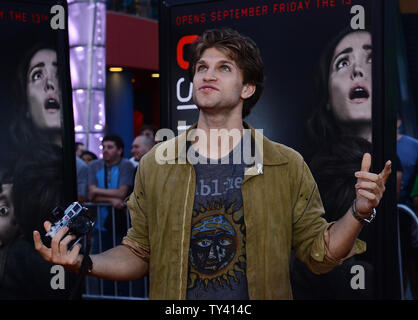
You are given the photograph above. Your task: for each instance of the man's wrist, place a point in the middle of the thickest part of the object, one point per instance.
(364, 219)
(75, 268)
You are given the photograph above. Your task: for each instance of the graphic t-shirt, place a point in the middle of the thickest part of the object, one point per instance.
(217, 258)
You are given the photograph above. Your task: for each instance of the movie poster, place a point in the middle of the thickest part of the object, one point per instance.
(317, 99)
(35, 101)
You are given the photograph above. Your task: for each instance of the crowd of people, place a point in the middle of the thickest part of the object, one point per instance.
(110, 178)
(106, 182)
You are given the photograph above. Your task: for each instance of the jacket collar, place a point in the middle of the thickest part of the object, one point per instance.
(270, 155)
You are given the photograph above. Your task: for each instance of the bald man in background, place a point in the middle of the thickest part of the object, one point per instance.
(140, 146)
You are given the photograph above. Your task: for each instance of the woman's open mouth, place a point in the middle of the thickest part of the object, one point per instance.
(359, 94)
(52, 105)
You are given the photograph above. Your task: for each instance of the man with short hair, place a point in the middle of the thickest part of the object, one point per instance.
(79, 148)
(226, 231)
(110, 180)
(148, 130)
(110, 177)
(140, 146)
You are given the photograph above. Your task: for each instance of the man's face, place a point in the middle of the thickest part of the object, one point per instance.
(350, 78)
(148, 133)
(87, 158)
(80, 149)
(218, 83)
(43, 91)
(8, 226)
(139, 148)
(110, 152)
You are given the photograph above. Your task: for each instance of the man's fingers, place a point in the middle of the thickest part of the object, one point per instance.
(371, 187)
(380, 178)
(47, 226)
(40, 247)
(366, 162)
(386, 171)
(367, 176)
(368, 195)
(55, 242)
(64, 243)
(75, 251)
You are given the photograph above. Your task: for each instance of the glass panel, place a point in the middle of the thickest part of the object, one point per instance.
(97, 107)
(80, 23)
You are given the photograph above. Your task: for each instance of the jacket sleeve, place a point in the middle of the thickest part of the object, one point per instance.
(137, 237)
(309, 226)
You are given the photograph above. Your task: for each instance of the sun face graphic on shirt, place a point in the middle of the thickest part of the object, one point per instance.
(217, 245)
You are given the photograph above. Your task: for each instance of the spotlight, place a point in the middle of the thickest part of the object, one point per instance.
(115, 69)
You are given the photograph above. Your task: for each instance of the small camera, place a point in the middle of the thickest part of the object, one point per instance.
(76, 218)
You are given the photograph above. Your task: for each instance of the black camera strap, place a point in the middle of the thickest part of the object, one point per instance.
(76, 292)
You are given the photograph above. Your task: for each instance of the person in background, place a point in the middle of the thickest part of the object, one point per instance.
(79, 149)
(140, 146)
(110, 181)
(407, 150)
(88, 157)
(148, 130)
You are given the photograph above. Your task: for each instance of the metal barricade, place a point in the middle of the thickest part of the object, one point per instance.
(404, 209)
(109, 230)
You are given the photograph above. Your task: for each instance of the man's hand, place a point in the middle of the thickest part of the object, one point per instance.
(91, 192)
(117, 203)
(119, 263)
(59, 253)
(370, 186)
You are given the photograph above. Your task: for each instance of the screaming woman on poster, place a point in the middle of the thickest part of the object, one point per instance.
(339, 130)
(35, 180)
(38, 98)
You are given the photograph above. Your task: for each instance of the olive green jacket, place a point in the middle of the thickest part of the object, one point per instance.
(282, 211)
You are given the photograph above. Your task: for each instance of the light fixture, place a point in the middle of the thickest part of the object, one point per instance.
(155, 75)
(115, 69)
